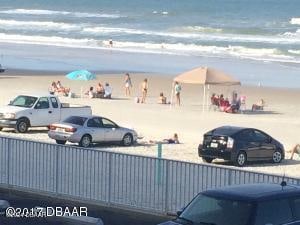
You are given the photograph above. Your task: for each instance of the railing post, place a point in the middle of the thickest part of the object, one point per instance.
(167, 186)
(56, 172)
(229, 177)
(158, 163)
(8, 162)
(109, 177)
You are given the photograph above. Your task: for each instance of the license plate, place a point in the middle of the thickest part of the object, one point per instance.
(60, 129)
(214, 145)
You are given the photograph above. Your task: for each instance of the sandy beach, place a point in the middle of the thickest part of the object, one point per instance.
(153, 121)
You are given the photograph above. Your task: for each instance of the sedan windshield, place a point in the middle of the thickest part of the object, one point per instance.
(209, 210)
(24, 101)
(78, 120)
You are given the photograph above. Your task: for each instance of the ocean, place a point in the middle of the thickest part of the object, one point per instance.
(265, 31)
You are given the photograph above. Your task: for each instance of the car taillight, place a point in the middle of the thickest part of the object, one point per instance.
(230, 142)
(52, 127)
(71, 129)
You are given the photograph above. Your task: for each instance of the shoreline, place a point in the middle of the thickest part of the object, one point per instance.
(45, 58)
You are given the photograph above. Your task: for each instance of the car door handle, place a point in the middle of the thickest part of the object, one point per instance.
(49, 111)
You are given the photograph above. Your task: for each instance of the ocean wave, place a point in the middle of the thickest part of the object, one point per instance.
(200, 29)
(266, 54)
(295, 21)
(35, 25)
(50, 12)
(296, 52)
(292, 34)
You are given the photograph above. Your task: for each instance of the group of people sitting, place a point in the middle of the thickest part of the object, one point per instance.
(100, 91)
(223, 104)
(58, 88)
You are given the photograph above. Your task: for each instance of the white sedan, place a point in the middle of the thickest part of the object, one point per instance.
(86, 130)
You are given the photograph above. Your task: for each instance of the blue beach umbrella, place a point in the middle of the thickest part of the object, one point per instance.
(81, 75)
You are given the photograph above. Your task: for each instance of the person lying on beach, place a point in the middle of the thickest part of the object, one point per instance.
(90, 93)
(296, 150)
(62, 89)
(162, 99)
(259, 105)
(173, 140)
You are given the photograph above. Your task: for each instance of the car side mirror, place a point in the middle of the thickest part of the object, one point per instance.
(179, 212)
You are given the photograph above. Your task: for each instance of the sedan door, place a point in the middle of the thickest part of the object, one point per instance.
(266, 148)
(95, 129)
(112, 130)
(246, 142)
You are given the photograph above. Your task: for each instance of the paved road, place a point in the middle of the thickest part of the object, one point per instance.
(109, 216)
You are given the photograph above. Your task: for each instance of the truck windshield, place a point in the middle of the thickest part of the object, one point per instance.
(24, 101)
(78, 120)
(209, 210)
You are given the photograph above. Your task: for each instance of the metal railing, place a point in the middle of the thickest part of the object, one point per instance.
(146, 183)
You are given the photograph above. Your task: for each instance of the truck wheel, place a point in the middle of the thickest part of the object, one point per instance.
(1, 128)
(60, 142)
(207, 160)
(22, 126)
(241, 159)
(127, 140)
(85, 141)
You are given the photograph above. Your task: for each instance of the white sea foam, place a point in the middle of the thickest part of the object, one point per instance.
(36, 25)
(200, 29)
(295, 21)
(266, 54)
(292, 34)
(165, 13)
(296, 52)
(50, 12)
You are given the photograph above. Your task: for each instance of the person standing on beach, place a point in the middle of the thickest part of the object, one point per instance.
(128, 84)
(144, 87)
(177, 89)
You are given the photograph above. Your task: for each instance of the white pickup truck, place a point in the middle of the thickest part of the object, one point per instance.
(37, 111)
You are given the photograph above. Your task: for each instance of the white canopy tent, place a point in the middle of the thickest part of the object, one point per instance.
(205, 76)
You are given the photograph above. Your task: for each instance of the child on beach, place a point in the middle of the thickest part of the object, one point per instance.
(128, 84)
(162, 99)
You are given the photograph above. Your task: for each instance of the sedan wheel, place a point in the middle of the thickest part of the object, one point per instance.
(60, 142)
(277, 157)
(241, 159)
(85, 141)
(127, 140)
(207, 160)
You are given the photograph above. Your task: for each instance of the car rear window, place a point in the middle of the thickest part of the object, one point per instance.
(78, 120)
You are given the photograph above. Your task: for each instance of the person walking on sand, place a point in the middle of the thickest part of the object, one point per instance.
(177, 89)
(128, 84)
(144, 87)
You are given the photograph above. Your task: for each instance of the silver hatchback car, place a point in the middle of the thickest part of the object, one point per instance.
(86, 130)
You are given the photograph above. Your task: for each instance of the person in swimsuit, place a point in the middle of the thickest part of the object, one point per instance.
(177, 88)
(128, 84)
(144, 87)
